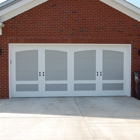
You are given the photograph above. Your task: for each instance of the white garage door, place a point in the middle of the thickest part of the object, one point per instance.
(69, 70)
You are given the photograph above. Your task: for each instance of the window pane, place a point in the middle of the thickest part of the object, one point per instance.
(55, 65)
(113, 65)
(112, 86)
(84, 87)
(25, 87)
(85, 65)
(27, 65)
(56, 87)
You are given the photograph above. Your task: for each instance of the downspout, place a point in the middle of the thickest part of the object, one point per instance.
(1, 26)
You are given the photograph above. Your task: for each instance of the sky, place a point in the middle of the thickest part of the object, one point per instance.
(135, 2)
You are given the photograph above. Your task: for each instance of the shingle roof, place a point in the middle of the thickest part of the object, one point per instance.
(8, 3)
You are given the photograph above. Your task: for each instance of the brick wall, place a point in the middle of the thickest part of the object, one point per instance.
(69, 21)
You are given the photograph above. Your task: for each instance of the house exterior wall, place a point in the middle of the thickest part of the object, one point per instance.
(61, 21)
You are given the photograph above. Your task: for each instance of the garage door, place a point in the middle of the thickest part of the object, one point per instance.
(69, 70)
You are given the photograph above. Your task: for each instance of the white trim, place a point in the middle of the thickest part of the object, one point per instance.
(1, 26)
(128, 5)
(124, 7)
(129, 68)
(10, 72)
(127, 90)
(5, 2)
(61, 44)
(13, 7)
(19, 8)
(0, 31)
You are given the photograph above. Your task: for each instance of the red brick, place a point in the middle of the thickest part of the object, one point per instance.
(61, 21)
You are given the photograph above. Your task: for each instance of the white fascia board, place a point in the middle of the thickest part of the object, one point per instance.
(124, 9)
(1, 26)
(0, 31)
(13, 7)
(6, 2)
(128, 5)
(20, 8)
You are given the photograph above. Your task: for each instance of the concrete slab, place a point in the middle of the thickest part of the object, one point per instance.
(44, 128)
(115, 130)
(39, 107)
(85, 118)
(120, 107)
(111, 118)
(1, 100)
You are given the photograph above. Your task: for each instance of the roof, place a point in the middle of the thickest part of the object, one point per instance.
(12, 8)
(124, 7)
(132, 3)
(8, 3)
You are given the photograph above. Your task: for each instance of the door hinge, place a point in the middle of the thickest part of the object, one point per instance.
(10, 61)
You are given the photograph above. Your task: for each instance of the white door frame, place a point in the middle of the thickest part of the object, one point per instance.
(128, 72)
(125, 80)
(60, 93)
(13, 69)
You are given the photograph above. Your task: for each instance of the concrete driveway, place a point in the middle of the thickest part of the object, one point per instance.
(85, 118)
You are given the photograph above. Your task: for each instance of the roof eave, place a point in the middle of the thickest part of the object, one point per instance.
(19, 8)
(13, 7)
(124, 7)
(1, 26)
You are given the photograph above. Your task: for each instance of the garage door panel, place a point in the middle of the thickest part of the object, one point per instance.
(85, 65)
(25, 71)
(84, 75)
(84, 87)
(109, 54)
(55, 81)
(85, 54)
(55, 75)
(55, 54)
(27, 65)
(113, 72)
(27, 76)
(113, 75)
(55, 65)
(68, 70)
(115, 86)
(27, 54)
(56, 87)
(113, 65)
(26, 87)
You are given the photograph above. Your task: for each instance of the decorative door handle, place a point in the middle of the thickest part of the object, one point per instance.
(39, 73)
(100, 73)
(97, 73)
